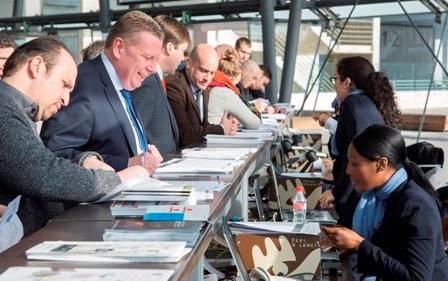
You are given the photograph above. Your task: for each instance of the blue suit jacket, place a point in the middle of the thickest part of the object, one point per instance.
(357, 113)
(156, 115)
(94, 120)
(408, 245)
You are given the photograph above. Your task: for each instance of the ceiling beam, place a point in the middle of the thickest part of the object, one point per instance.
(205, 9)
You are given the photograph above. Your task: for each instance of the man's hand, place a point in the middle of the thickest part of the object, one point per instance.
(132, 172)
(94, 163)
(229, 125)
(155, 152)
(270, 110)
(146, 160)
(236, 122)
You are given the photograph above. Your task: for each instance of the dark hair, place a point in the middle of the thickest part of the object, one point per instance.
(243, 40)
(93, 50)
(381, 92)
(357, 69)
(376, 86)
(48, 48)
(266, 71)
(378, 141)
(175, 32)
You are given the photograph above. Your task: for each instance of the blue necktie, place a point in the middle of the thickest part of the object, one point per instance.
(130, 109)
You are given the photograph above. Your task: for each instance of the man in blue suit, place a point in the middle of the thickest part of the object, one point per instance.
(100, 116)
(150, 99)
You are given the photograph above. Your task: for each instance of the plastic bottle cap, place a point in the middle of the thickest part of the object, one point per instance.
(299, 189)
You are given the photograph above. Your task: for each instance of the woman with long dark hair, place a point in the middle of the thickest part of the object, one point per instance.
(366, 98)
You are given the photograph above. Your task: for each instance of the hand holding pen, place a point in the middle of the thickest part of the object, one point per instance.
(148, 159)
(155, 152)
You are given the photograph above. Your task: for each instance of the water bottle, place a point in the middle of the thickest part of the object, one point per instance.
(299, 205)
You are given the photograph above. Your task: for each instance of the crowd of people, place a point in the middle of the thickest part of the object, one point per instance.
(112, 116)
(136, 97)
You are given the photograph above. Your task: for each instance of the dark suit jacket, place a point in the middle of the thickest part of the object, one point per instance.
(408, 245)
(186, 111)
(357, 113)
(156, 115)
(94, 120)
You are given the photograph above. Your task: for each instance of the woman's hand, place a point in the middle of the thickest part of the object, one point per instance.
(321, 118)
(344, 239)
(326, 198)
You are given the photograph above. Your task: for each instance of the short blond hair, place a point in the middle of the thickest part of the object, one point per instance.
(130, 24)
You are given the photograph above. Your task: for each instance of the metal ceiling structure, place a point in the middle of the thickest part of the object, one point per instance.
(226, 9)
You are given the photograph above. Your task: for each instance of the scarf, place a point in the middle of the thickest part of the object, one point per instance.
(370, 210)
(222, 80)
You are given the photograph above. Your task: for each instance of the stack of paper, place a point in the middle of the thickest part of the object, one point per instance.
(225, 153)
(133, 209)
(177, 213)
(237, 139)
(136, 230)
(101, 251)
(169, 193)
(129, 184)
(275, 116)
(197, 166)
(265, 135)
(26, 273)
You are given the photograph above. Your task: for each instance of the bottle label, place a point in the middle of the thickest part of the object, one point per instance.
(298, 205)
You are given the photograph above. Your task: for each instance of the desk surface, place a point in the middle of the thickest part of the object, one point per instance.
(87, 223)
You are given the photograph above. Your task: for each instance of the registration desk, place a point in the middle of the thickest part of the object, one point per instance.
(88, 222)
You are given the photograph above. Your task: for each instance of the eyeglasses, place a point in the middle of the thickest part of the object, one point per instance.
(333, 79)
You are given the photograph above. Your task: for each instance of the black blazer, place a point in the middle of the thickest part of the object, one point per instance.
(156, 115)
(357, 113)
(408, 245)
(94, 120)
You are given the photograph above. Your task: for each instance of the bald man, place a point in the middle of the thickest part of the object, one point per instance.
(251, 74)
(221, 49)
(188, 96)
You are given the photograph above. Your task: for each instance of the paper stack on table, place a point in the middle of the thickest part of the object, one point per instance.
(102, 251)
(26, 273)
